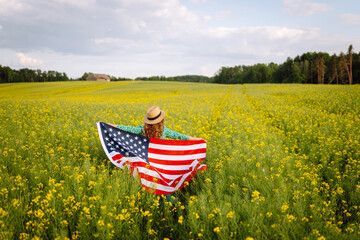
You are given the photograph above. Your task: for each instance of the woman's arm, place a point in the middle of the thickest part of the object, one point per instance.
(168, 133)
(135, 130)
(195, 138)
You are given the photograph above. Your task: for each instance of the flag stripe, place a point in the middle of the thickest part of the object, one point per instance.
(172, 152)
(176, 142)
(172, 162)
(172, 172)
(176, 147)
(170, 167)
(176, 157)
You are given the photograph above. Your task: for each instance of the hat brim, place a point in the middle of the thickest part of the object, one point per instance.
(157, 120)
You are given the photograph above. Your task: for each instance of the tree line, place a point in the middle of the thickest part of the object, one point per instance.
(183, 78)
(310, 67)
(8, 75)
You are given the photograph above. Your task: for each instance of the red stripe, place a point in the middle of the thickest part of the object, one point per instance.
(172, 172)
(171, 162)
(117, 157)
(176, 152)
(176, 142)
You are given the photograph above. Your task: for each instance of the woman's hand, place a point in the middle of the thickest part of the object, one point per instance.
(195, 138)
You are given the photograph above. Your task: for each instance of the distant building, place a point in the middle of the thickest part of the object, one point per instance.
(98, 77)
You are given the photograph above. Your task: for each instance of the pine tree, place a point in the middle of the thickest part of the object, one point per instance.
(333, 69)
(320, 68)
(348, 66)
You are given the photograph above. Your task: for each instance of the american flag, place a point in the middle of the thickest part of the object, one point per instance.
(163, 166)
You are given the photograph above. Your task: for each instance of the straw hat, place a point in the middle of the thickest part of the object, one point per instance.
(154, 115)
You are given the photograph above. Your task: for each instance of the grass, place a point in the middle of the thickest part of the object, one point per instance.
(284, 162)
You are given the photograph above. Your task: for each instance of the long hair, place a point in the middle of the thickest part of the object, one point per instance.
(154, 130)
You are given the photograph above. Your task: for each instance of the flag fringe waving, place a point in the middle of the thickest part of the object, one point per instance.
(163, 166)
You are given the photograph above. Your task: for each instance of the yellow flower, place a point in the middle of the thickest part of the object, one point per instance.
(290, 217)
(255, 194)
(100, 223)
(146, 213)
(16, 203)
(230, 214)
(181, 218)
(217, 229)
(284, 208)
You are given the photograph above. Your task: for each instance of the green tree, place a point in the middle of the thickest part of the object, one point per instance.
(333, 69)
(8, 72)
(320, 68)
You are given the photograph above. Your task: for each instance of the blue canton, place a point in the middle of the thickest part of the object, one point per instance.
(125, 143)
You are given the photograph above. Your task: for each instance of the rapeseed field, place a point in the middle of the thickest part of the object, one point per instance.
(284, 162)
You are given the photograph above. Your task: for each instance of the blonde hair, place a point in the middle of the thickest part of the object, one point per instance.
(154, 130)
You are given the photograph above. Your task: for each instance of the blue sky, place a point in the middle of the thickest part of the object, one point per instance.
(130, 38)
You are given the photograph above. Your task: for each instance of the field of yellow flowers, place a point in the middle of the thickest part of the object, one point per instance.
(284, 162)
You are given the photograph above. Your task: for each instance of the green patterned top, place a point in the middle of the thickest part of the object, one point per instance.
(167, 133)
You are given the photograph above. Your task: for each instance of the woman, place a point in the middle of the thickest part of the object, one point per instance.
(154, 128)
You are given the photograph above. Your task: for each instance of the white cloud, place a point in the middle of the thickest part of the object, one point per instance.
(261, 43)
(303, 7)
(350, 19)
(217, 16)
(9, 6)
(0, 27)
(77, 3)
(198, 1)
(26, 61)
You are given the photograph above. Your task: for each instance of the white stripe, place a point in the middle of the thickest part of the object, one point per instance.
(134, 159)
(177, 147)
(202, 165)
(170, 167)
(153, 173)
(171, 177)
(175, 167)
(149, 172)
(158, 186)
(177, 157)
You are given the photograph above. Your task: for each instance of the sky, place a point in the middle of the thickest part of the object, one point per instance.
(134, 38)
